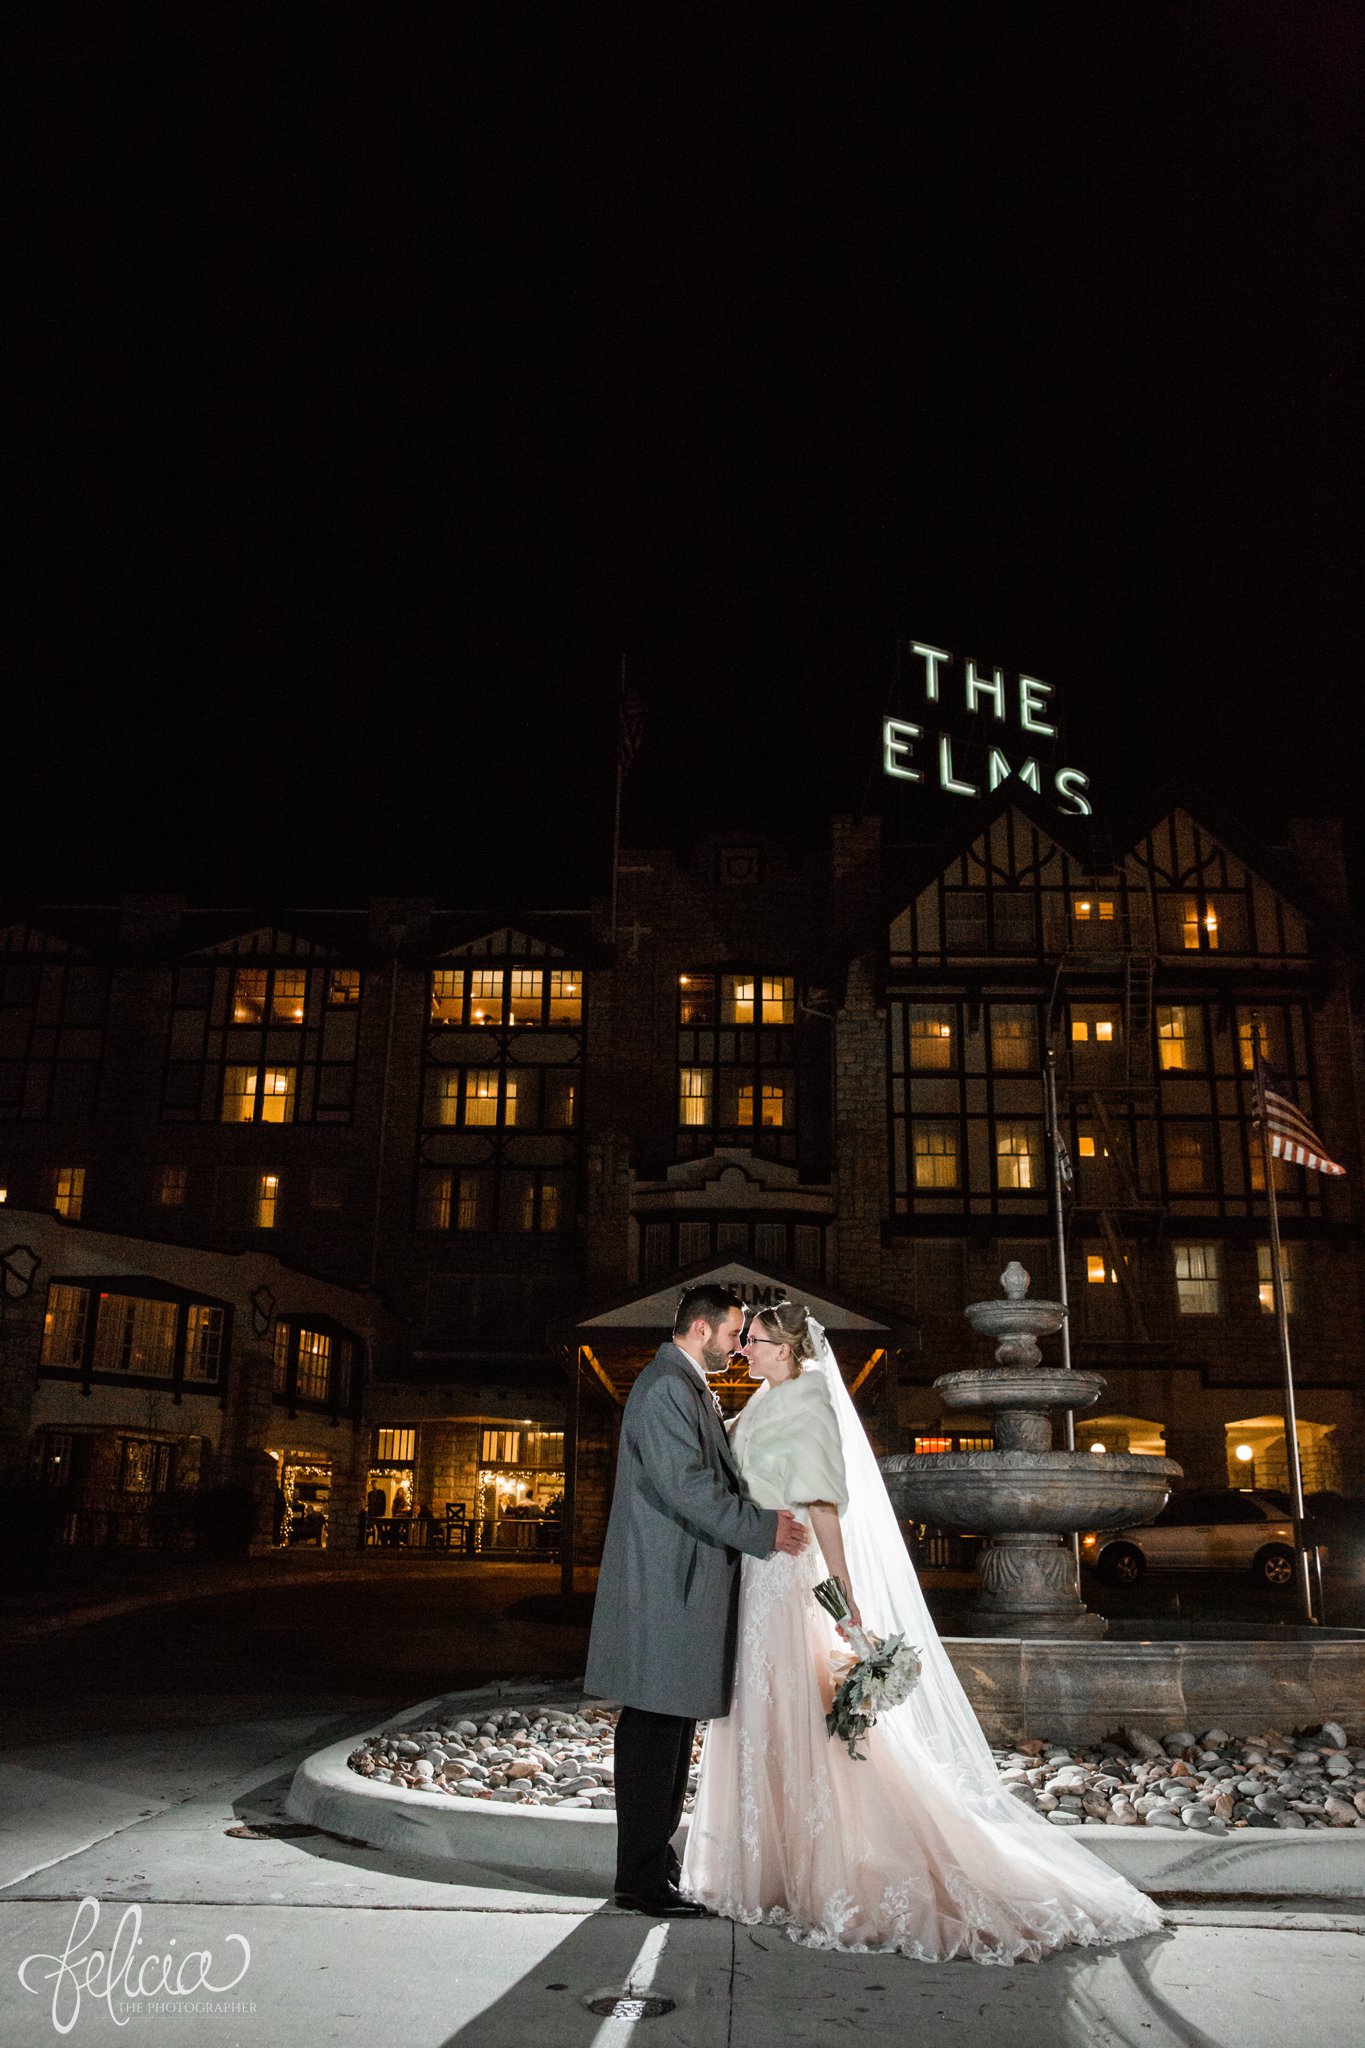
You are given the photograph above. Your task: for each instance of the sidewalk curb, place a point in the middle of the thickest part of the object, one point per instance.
(528, 1839)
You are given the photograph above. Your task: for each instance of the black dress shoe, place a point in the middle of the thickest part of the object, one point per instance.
(666, 1905)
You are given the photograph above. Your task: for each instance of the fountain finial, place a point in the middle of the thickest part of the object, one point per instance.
(1015, 1281)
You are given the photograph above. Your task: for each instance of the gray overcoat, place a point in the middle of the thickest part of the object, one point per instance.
(665, 1623)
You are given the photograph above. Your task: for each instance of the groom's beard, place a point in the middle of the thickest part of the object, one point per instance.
(713, 1358)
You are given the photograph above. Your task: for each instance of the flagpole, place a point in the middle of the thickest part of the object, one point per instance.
(616, 821)
(1291, 1424)
(1059, 1231)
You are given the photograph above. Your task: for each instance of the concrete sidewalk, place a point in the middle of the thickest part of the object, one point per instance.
(349, 1944)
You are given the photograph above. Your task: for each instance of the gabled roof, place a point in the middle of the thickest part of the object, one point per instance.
(649, 1309)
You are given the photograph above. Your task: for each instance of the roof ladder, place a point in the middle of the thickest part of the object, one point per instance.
(1137, 1003)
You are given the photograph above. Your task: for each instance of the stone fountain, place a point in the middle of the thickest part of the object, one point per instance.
(1027, 1497)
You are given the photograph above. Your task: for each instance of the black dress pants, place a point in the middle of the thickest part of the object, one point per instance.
(653, 1756)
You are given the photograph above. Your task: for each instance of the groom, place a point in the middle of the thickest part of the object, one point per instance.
(665, 1624)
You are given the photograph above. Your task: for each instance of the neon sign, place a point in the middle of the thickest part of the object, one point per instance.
(988, 699)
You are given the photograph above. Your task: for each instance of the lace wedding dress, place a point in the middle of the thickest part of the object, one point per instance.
(918, 1848)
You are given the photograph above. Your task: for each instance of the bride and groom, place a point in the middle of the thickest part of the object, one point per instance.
(705, 1611)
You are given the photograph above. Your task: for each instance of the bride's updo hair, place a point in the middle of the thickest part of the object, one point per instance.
(789, 1322)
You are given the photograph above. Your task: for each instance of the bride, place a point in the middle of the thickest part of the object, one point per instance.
(918, 1847)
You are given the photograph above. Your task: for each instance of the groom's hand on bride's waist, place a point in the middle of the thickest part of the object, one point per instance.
(792, 1535)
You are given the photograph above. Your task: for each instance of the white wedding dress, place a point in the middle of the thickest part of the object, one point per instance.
(918, 1848)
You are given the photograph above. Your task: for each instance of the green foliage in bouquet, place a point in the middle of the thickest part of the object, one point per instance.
(885, 1674)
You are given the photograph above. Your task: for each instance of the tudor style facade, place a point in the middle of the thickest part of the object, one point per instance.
(818, 1064)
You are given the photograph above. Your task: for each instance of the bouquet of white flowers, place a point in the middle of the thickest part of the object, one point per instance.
(883, 1675)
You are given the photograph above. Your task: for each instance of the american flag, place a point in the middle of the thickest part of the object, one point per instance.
(1291, 1135)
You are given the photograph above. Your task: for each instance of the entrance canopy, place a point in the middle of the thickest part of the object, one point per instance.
(619, 1339)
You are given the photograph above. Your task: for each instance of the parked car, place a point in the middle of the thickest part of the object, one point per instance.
(1221, 1531)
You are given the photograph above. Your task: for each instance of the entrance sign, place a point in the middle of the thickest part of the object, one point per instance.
(990, 702)
(656, 1310)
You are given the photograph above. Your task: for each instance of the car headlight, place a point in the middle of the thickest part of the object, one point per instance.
(1089, 1542)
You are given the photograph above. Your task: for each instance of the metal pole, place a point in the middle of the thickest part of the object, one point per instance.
(1291, 1426)
(620, 778)
(1059, 1231)
(568, 1545)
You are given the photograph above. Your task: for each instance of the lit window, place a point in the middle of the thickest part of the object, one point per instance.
(258, 1096)
(288, 995)
(1210, 922)
(1017, 1162)
(315, 1355)
(931, 1037)
(171, 1182)
(248, 995)
(1091, 1025)
(448, 1086)
(203, 1342)
(1265, 1285)
(1187, 1160)
(239, 1095)
(935, 1155)
(436, 1201)
(284, 1346)
(447, 996)
(566, 996)
(1179, 1037)
(135, 1334)
(1287, 1177)
(1198, 1279)
(694, 1096)
(772, 1101)
(737, 999)
(395, 1446)
(481, 1095)
(512, 1093)
(472, 1201)
(1097, 1273)
(779, 1000)
(500, 1447)
(550, 1208)
(68, 1194)
(1085, 1148)
(277, 1095)
(64, 1325)
(1253, 1039)
(1094, 909)
(485, 995)
(527, 984)
(267, 1195)
(343, 988)
(696, 998)
(1012, 1038)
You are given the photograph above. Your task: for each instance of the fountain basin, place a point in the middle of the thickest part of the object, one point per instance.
(1016, 1318)
(1046, 1492)
(1040, 1386)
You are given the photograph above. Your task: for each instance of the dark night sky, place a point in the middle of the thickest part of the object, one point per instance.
(384, 373)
